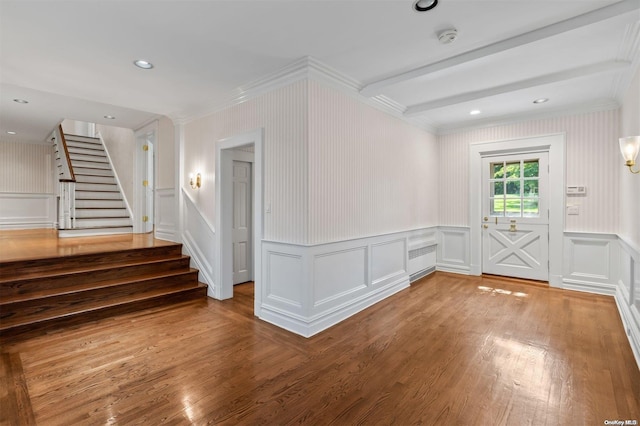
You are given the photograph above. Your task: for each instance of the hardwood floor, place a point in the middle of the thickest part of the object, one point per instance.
(449, 350)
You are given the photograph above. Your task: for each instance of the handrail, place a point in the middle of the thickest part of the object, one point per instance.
(60, 137)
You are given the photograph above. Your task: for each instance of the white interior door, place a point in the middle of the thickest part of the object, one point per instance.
(149, 184)
(241, 231)
(515, 222)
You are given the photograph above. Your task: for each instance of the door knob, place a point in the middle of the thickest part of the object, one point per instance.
(485, 226)
(512, 227)
(486, 218)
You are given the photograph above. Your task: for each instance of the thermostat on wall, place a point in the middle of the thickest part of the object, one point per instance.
(576, 190)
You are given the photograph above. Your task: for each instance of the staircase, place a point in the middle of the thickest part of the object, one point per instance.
(43, 293)
(100, 208)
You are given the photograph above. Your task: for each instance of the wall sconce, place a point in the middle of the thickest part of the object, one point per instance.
(629, 147)
(197, 183)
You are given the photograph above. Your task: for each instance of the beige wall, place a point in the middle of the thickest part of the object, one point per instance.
(592, 159)
(369, 173)
(630, 184)
(120, 143)
(26, 167)
(165, 152)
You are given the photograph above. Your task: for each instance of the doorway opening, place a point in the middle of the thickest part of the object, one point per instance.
(239, 219)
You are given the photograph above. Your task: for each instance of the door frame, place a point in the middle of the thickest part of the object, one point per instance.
(148, 132)
(555, 145)
(224, 214)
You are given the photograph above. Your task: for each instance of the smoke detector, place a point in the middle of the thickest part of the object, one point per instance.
(448, 36)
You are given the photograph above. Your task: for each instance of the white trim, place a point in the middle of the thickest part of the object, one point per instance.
(165, 219)
(555, 145)
(224, 259)
(139, 198)
(27, 210)
(198, 238)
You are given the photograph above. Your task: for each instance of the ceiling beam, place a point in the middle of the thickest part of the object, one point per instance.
(518, 85)
(592, 17)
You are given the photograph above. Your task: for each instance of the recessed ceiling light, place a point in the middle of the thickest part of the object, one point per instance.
(109, 117)
(140, 63)
(424, 5)
(11, 132)
(475, 112)
(540, 101)
(21, 101)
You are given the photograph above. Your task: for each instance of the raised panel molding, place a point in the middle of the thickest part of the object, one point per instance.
(453, 250)
(27, 211)
(311, 288)
(591, 262)
(165, 226)
(198, 239)
(627, 294)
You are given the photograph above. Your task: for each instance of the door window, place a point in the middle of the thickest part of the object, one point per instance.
(514, 188)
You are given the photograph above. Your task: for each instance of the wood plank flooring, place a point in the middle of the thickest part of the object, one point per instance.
(448, 350)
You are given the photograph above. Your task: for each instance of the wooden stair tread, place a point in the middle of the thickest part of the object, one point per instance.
(81, 308)
(96, 285)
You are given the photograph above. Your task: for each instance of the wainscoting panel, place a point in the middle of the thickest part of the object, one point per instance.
(338, 274)
(311, 288)
(453, 249)
(591, 262)
(198, 238)
(628, 293)
(388, 260)
(27, 211)
(165, 214)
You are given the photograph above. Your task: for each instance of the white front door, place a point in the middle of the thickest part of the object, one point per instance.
(515, 222)
(148, 183)
(241, 231)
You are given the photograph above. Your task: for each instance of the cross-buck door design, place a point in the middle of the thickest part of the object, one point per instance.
(515, 222)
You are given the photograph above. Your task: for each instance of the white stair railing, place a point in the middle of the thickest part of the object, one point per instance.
(67, 181)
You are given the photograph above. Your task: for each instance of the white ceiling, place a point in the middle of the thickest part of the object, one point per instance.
(73, 59)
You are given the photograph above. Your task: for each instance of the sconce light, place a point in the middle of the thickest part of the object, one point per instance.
(197, 183)
(629, 147)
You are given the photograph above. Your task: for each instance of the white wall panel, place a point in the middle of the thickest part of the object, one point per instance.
(284, 278)
(199, 241)
(26, 211)
(26, 168)
(369, 172)
(593, 160)
(283, 115)
(120, 144)
(165, 217)
(388, 260)
(591, 262)
(339, 273)
(453, 252)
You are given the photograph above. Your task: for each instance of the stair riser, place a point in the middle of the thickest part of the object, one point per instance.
(35, 329)
(93, 195)
(93, 172)
(74, 150)
(102, 223)
(91, 165)
(80, 178)
(99, 204)
(13, 270)
(66, 281)
(100, 213)
(85, 145)
(77, 138)
(89, 158)
(97, 187)
(76, 303)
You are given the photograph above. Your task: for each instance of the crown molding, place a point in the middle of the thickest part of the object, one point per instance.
(505, 120)
(305, 68)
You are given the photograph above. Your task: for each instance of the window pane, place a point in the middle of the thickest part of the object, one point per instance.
(530, 188)
(531, 208)
(497, 206)
(497, 170)
(513, 189)
(531, 168)
(512, 170)
(512, 208)
(497, 188)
